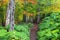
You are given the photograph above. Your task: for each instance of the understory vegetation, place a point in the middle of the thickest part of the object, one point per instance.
(49, 29)
(20, 32)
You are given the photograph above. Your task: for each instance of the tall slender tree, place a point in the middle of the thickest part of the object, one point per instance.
(26, 17)
(8, 15)
(12, 8)
(38, 14)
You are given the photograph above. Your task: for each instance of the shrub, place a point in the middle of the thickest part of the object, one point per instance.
(50, 27)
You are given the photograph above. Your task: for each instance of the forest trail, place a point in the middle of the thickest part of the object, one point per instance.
(33, 32)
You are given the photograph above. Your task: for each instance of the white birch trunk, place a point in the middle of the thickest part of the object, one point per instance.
(12, 7)
(8, 15)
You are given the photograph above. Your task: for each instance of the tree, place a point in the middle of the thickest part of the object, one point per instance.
(25, 16)
(12, 8)
(38, 12)
(8, 15)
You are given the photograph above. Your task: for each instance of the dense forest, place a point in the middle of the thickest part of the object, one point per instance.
(29, 19)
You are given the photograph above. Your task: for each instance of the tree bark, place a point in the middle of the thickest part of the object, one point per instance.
(31, 19)
(12, 7)
(26, 18)
(38, 18)
(8, 15)
(25, 3)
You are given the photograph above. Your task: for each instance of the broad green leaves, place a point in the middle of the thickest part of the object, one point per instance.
(50, 27)
(20, 32)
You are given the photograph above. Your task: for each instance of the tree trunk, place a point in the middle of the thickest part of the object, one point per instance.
(38, 14)
(8, 15)
(25, 3)
(31, 19)
(12, 7)
(26, 18)
(38, 18)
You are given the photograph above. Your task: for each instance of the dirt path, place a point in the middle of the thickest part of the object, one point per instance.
(33, 31)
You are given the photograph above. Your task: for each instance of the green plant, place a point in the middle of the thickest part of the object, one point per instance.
(20, 32)
(50, 27)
